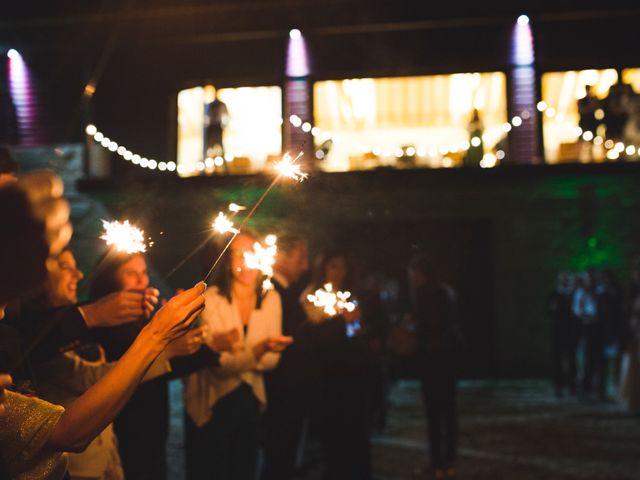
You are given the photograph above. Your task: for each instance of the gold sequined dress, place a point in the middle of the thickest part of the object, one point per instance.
(25, 428)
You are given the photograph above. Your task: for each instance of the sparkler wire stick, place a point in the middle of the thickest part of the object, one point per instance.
(191, 254)
(244, 222)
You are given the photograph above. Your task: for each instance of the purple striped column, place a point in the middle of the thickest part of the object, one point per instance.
(297, 97)
(523, 141)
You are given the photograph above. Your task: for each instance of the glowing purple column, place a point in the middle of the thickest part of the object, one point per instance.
(297, 97)
(21, 93)
(522, 78)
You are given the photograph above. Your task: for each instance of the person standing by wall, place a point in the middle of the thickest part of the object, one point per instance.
(438, 337)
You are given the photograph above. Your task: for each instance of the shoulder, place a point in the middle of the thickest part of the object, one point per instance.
(272, 299)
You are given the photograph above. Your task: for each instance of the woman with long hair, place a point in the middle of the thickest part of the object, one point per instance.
(143, 425)
(224, 403)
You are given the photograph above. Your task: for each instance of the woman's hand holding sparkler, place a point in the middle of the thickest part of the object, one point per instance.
(174, 318)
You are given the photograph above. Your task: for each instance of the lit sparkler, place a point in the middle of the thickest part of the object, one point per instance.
(123, 236)
(331, 302)
(287, 167)
(222, 224)
(262, 258)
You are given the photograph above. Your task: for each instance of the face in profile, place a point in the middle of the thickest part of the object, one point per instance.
(133, 275)
(62, 280)
(241, 273)
(335, 271)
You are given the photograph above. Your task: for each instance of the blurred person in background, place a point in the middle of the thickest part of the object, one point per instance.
(630, 345)
(565, 335)
(585, 308)
(438, 350)
(341, 410)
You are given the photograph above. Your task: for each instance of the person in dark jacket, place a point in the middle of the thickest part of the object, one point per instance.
(434, 317)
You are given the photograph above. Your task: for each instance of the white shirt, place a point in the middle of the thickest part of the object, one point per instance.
(204, 388)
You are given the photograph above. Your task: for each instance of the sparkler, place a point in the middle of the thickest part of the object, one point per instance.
(222, 224)
(262, 258)
(221, 219)
(331, 302)
(287, 167)
(123, 236)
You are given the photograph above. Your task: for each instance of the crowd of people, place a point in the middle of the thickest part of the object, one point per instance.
(84, 385)
(596, 332)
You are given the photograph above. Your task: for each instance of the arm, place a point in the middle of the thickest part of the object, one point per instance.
(52, 331)
(203, 358)
(86, 417)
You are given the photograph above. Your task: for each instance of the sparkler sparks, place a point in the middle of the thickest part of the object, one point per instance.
(222, 224)
(235, 208)
(123, 236)
(331, 302)
(287, 167)
(262, 258)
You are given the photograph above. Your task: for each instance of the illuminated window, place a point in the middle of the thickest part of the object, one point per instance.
(609, 127)
(236, 136)
(406, 122)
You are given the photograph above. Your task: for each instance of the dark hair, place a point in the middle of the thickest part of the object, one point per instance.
(222, 276)
(8, 163)
(103, 277)
(287, 241)
(320, 266)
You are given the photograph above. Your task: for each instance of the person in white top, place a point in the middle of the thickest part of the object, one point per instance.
(224, 403)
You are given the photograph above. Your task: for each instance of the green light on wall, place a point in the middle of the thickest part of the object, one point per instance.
(595, 253)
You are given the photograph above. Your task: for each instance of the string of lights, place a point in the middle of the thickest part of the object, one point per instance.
(489, 160)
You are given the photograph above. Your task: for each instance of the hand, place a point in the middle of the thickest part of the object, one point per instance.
(271, 344)
(150, 301)
(188, 344)
(120, 307)
(223, 342)
(173, 319)
(163, 301)
(5, 382)
(279, 343)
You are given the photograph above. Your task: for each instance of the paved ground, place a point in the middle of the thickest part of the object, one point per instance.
(508, 430)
